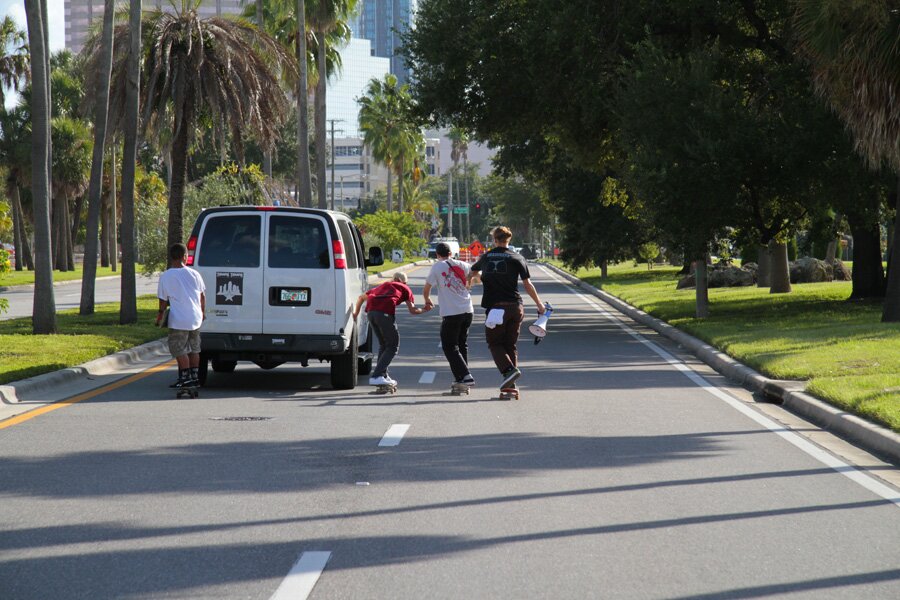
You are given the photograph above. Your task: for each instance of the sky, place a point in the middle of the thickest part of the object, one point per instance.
(16, 9)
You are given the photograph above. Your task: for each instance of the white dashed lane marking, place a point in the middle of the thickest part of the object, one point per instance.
(427, 377)
(393, 435)
(302, 577)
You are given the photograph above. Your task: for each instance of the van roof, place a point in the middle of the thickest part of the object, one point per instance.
(280, 209)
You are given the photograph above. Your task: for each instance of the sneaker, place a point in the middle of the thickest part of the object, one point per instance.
(181, 383)
(468, 380)
(379, 381)
(509, 377)
(390, 380)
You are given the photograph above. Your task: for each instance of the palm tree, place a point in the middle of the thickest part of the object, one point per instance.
(327, 16)
(225, 70)
(13, 57)
(44, 311)
(385, 118)
(103, 73)
(459, 149)
(71, 165)
(855, 57)
(15, 150)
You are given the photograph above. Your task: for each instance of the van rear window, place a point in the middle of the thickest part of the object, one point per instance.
(230, 241)
(298, 243)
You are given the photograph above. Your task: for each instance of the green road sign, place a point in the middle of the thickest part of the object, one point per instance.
(457, 210)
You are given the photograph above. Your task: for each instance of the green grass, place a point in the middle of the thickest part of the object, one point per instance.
(386, 266)
(79, 340)
(840, 347)
(27, 277)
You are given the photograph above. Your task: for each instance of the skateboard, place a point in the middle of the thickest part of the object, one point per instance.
(385, 389)
(191, 392)
(509, 394)
(458, 389)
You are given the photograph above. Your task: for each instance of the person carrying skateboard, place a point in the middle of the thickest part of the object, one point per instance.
(499, 270)
(381, 305)
(450, 278)
(182, 291)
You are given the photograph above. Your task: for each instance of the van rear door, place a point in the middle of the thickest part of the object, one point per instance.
(299, 279)
(229, 257)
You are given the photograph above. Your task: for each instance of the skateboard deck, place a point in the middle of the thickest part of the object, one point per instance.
(458, 389)
(385, 389)
(508, 394)
(190, 392)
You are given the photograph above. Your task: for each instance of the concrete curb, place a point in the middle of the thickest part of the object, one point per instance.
(377, 277)
(791, 395)
(10, 393)
(30, 286)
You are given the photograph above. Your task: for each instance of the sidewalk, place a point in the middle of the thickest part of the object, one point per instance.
(789, 394)
(22, 396)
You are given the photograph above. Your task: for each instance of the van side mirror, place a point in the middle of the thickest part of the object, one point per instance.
(376, 257)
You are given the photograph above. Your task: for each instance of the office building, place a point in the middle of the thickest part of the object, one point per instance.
(383, 22)
(79, 14)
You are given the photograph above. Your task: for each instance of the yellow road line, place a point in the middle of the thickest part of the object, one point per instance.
(27, 416)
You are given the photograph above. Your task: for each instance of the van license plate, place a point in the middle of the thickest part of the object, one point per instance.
(295, 296)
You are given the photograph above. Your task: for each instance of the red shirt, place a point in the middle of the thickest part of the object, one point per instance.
(387, 296)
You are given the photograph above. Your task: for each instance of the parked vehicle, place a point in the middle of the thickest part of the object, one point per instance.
(450, 241)
(281, 283)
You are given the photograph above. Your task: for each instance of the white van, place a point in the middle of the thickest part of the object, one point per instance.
(450, 241)
(281, 284)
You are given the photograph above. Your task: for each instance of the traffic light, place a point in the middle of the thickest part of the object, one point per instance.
(478, 206)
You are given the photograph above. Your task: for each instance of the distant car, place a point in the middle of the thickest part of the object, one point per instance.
(9, 248)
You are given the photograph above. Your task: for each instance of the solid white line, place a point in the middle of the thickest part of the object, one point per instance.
(302, 577)
(849, 471)
(393, 435)
(427, 377)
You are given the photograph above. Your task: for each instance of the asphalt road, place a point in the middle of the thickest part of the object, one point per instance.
(615, 476)
(68, 294)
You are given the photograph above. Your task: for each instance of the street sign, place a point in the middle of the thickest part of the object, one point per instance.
(457, 210)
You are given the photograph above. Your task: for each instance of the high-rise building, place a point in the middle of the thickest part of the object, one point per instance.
(383, 22)
(81, 13)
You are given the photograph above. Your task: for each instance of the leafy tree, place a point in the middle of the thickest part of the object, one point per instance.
(395, 230)
(72, 148)
(853, 49)
(15, 158)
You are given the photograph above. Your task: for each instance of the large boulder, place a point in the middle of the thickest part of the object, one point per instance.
(841, 272)
(721, 276)
(810, 270)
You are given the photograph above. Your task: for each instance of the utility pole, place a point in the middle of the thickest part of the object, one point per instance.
(450, 203)
(333, 157)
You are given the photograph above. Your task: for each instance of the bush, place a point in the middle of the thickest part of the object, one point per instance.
(396, 231)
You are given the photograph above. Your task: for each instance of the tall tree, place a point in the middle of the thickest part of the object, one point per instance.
(128, 294)
(102, 49)
(13, 57)
(221, 69)
(44, 309)
(304, 176)
(853, 49)
(15, 157)
(327, 16)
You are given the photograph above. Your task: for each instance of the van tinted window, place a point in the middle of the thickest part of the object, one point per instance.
(350, 249)
(230, 241)
(298, 243)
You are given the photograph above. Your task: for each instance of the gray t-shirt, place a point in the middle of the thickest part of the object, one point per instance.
(449, 277)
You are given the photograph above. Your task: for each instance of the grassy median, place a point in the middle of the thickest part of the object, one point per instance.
(27, 277)
(79, 340)
(840, 347)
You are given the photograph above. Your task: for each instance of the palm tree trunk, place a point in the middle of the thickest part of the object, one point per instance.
(44, 308)
(104, 233)
(400, 206)
(54, 231)
(390, 189)
(868, 274)
(128, 302)
(95, 187)
(27, 256)
(176, 192)
(891, 310)
(69, 237)
(468, 220)
(12, 188)
(321, 116)
(304, 177)
(780, 273)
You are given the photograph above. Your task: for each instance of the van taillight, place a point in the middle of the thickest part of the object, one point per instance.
(191, 246)
(340, 260)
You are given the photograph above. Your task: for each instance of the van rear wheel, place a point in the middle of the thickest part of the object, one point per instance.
(223, 366)
(345, 368)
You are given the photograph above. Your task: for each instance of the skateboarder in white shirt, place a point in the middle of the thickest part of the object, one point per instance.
(449, 277)
(182, 291)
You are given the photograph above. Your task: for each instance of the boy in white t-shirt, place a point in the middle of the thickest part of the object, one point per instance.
(450, 276)
(182, 290)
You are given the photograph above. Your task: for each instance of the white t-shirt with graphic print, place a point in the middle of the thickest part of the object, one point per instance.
(449, 277)
(181, 288)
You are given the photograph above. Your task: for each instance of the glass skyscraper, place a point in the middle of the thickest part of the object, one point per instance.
(382, 22)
